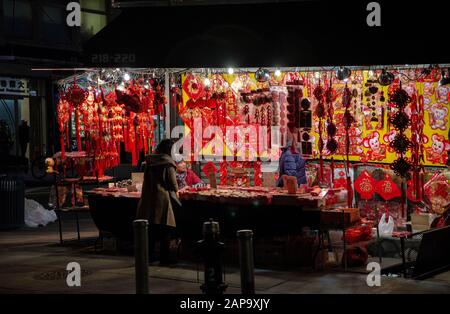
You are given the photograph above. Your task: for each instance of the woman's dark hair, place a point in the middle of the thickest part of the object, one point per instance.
(165, 147)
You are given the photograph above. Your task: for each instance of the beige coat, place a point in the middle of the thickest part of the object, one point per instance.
(159, 190)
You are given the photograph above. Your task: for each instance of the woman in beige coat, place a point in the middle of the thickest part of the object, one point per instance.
(159, 199)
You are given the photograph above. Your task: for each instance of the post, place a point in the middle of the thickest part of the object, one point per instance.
(210, 249)
(141, 255)
(402, 247)
(246, 261)
(58, 212)
(344, 240)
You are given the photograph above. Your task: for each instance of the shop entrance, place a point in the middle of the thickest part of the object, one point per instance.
(22, 121)
(12, 112)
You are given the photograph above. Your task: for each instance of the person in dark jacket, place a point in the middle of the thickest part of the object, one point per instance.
(291, 164)
(159, 199)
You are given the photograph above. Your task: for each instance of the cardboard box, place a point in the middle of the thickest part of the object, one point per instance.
(137, 177)
(421, 221)
(334, 218)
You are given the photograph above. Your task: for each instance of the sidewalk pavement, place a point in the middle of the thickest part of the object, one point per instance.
(32, 261)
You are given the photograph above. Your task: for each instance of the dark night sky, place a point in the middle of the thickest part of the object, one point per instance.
(308, 33)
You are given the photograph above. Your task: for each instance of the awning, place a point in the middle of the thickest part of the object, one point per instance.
(309, 33)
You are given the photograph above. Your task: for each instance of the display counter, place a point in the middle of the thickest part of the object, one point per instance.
(266, 211)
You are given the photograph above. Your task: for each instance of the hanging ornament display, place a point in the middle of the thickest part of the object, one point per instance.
(208, 168)
(320, 113)
(75, 95)
(400, 121)
(193, 86)
(348, 121)
(106, 119)
(387, 189)
(330, 96)
(365, 186)
(63, 117)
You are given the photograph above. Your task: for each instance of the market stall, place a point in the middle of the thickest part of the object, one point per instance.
(375, 142)
(267, 211)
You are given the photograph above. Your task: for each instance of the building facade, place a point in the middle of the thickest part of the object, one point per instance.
(35, 38)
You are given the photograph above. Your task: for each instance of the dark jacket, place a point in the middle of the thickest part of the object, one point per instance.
(292, 164)
(159, 189)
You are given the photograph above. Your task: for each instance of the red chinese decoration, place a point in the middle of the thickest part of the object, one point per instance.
(108, 119)
(387, 189)
(209, 167)
(75, 95)
(63, 114)
(365, 185)
(257, 173)
(193, 86)
(223, 173)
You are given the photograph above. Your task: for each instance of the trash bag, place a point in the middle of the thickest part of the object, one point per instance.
(36, 215)
(386, 228)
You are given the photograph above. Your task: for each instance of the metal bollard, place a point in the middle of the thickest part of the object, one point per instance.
(141, 255)
(210, 249)
(246, 261)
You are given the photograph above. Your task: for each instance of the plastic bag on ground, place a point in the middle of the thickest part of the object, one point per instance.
(36, 215)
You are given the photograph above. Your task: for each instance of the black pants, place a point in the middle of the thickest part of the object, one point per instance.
(161, 234)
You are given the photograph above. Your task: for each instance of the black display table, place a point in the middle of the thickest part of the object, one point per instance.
(115, 214)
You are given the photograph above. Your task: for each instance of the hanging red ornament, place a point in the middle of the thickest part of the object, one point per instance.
(75, 95)
(223, 173)
(412, 192)
(131, 101)
(257, 173)
(387, 189)
(365, 185)
(193, 86)
(209, 167)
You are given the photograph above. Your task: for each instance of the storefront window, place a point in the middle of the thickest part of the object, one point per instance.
(18, 18)
(93, 17)
(98, 5)
(92, 23)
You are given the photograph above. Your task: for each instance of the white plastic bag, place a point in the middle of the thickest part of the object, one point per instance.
(386, 228)
(36, 215)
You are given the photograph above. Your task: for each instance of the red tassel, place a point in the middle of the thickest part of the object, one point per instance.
(257, 173)
(61, 142)
(145, 145)
(350, 193)
(125, 137)
(332, 170)
(77, 130)
(67, 137)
